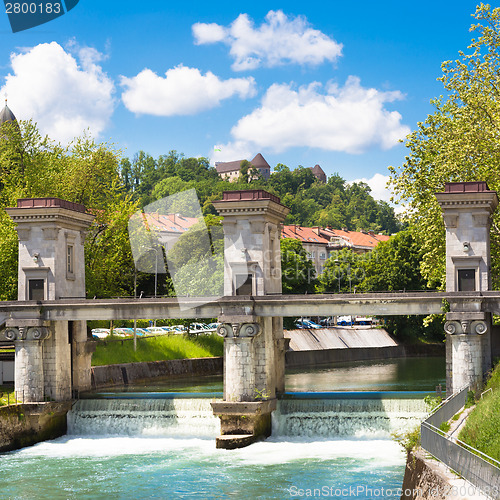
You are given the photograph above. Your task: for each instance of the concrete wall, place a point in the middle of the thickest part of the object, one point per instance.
(429, 479)
(338, 338)
(312, 358)
(27, 424)
(127, 373)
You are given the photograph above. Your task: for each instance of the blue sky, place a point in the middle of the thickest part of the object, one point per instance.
(331, 83)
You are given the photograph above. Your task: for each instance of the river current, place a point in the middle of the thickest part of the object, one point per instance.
(323, 446)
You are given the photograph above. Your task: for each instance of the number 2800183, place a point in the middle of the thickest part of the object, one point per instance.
(33, 8)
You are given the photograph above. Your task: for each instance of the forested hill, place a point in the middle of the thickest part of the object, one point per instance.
(312, 203)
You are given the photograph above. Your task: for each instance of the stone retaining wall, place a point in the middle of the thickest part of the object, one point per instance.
(311, 358)
(30, 423)
(127, 373)
(427, 479)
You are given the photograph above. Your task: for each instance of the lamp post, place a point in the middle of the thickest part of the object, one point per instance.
(156, 271)
(135, 296)
(338, 265)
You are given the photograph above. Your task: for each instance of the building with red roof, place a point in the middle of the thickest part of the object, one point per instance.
(320, 242)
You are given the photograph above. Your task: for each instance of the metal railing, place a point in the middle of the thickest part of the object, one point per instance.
(479, 469)
(14, 398)
(449, 407)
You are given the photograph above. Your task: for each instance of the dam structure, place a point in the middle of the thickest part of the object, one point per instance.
(53, 353)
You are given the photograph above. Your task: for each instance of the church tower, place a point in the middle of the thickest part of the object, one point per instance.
(6, 115)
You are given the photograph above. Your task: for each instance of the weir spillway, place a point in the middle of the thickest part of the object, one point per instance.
(312, 415)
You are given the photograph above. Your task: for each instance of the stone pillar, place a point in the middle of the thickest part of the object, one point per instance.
(29, 384)
(81, 352)
(467, 210)
(51, 236)
(466, 341)
(254, 356)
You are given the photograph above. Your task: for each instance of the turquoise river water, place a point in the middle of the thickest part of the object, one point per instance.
(324, 445)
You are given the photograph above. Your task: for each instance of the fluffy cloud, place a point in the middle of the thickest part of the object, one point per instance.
(380, 191)
(237, 150)
(378, 185)
(349, 119)
(183, 91)
(65, 92)
(279, 40)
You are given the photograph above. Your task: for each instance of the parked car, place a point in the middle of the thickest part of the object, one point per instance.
(344, 321)
(100, 333)
(362, 320)
(198, 328)
(330, 321)
(307, 324)
(212, 327)
(155, 330)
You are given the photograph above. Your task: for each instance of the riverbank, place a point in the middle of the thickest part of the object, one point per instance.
(165, 347)
(429, 479)
(128, 373)
(30, 423)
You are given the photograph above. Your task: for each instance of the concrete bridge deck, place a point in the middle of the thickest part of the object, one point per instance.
(247, 307)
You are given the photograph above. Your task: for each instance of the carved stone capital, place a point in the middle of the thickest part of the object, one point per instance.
(466, 327)
(9, 334)
(465, 324)
(38, 333)
(452, 328)
(478, 327)
(24, 333)
(241, 330)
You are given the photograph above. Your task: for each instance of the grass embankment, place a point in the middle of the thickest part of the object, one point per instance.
(157, 349)
(482, 429)
(6, 395)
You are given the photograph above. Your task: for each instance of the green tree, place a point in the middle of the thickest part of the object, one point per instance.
(343, 272)
(458, 142)
(197, 259)
(297, 270)
(83, 172)
(394, 265)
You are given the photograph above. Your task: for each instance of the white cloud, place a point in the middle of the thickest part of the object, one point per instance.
(183, 91)
(349, 119)
(378, 185)
(209, 33)
(232, 151)
(380, 191)
(65, 93)
(279, 40)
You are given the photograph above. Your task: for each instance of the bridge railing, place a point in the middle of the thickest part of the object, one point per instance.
(479, 469)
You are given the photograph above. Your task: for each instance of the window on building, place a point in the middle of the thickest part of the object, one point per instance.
(322, 256)
(466, 280)
(246, 287)
(36, 289)
(70, 260)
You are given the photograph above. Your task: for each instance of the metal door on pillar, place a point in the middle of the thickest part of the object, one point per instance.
(466, 280)
(36, 289)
